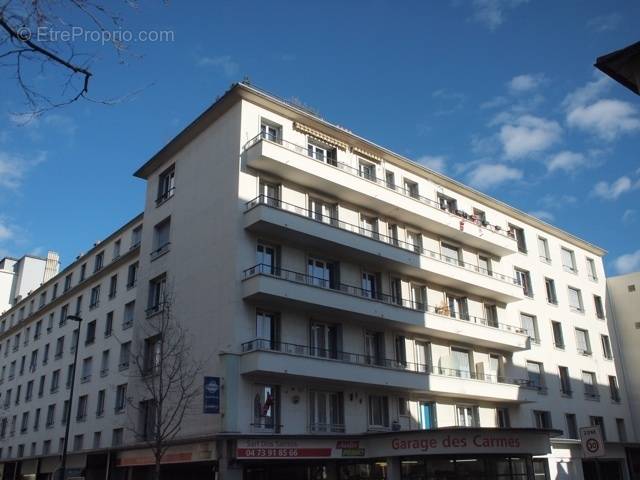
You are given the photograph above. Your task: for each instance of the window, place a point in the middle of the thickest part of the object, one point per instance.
(128, 315)
(414, 241)
(369, 285)
(427, 415)
(266, 407)
(322, 273)
(83, 272)
(591, 269)
(550, 287)
(70, 373)
(367, 170)
(447, 203)
(590, 385)
(558, 337)
(467, 416)
(322, 211)
(530, 324)
(390, 179)
(484, 265)
(116, 249)
(266, 258)
(541, 469)
(401, 350)
(113, 286)
(152, 354)
(41, 386)
(97, 439)
(568, 260)
(78, 441)
(461, 362)
(326, 411)
(51, 415)
(121, 398)
(606, 347)
(369, 226)
(451, 254)
(24, 424)
(38, 330)
(116, 437)
(599, 422)
(166, 184)
(597, 300)
(87, 368)
(565, 381)
(104, 363)
(136, 237)
(502, 418)
(614, 390)
(374, 347)
(622, 431)
(34, 361)
(543, 249)
(270, 131)
(79, 305)
(269, 194)
(98, 262)
(132, 275)
(67, 281)
(43, 300)
(322, 152)
(81, 414)
(100, 403)
(74, 340)
(125, 353)
(95, 297)
(378, 411)
(55, 381)
(520, 239)
(36, 420)
(631, 288)
(54, 293)
(146, 421)
(534, 371)
(45, 356)
(29, 394)
(323, 340)
(582, 342)
(108, 325)
(157, 287)
(458, 307)
(523, 278)
(268, 329)
(575, 300)
(50, 323)
(542, 419)
(411, 188)
(403, 407)
(161, 236)
(491, 314)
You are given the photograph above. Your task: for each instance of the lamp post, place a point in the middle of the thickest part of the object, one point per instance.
(63, 465)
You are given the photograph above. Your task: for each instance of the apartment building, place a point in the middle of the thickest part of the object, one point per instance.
(364, 317)
(20, 276)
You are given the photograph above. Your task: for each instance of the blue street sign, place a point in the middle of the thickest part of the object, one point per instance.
(211, 395)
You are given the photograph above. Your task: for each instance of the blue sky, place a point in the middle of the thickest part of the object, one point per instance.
(500, 94)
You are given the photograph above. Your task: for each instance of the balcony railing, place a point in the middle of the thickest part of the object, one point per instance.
(374, 296)
(375, 361)
(375, 235)
(261, 137)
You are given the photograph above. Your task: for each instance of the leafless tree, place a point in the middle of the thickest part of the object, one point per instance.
(40, 42)
(168, 378)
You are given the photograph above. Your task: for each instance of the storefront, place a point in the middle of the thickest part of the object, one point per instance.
(449, 453)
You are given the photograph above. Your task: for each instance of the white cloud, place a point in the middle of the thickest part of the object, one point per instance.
(13, 168)
(528, 134)
(495, 102)
(6, 232)
(629, 216)
(605, 23)
(224, 62)
(550, 201)
(525, 83)
(434, 162)
(611, 191)
(543, 215)
(486, 176)
(491, 13)
(606, 118)
(627, 263)
(583, 95)
(567, 161)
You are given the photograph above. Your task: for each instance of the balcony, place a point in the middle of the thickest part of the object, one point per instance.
(266, 359)
(292, 162)
(266, 284)
(273, 217)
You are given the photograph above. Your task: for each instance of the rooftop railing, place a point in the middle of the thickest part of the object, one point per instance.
(372, 295)
(375, 235)
(261, 344)
(364, 174)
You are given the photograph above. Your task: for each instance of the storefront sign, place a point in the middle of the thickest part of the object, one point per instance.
(592, 442)
(175, 454)
(403, 443)
(211, 395)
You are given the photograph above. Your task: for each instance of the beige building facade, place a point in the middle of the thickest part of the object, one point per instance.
(362, 316)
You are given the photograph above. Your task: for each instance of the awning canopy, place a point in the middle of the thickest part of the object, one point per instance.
(320, 136)
(623, 66)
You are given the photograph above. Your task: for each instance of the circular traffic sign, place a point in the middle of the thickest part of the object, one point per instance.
(593, 445)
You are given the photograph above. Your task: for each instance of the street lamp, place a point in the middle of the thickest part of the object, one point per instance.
(63, 466)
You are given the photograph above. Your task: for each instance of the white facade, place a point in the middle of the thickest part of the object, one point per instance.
(340, 290)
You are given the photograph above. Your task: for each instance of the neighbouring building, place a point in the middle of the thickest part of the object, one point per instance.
(363, 316)
(624, 305)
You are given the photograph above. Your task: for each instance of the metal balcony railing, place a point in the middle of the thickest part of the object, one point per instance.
(375, 296)
(375, 361)
(365, 175)
(375, 235)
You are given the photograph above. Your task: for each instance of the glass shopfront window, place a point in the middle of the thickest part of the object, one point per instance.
(485, 467)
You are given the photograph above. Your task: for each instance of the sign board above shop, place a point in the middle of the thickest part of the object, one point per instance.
(451, 442)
